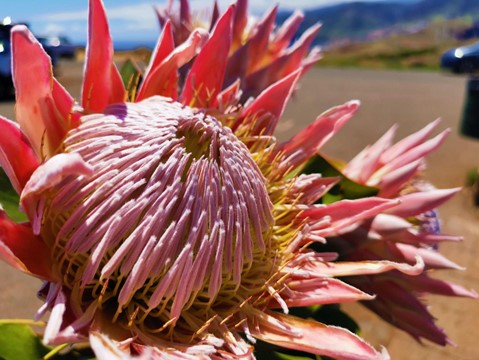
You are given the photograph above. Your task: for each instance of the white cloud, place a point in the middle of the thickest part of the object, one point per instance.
(259, 6)
(131, 18)
(138, 12)
(53, 29)
(64, 16)
(142, 12)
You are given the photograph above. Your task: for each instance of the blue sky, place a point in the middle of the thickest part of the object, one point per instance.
(129, 19)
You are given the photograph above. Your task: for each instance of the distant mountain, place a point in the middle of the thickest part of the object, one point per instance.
(357, 19)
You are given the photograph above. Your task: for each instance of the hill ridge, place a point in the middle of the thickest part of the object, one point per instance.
(356, 20)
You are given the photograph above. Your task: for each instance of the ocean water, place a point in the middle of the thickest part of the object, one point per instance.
(126, 45)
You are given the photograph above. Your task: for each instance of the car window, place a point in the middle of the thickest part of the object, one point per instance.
(474, 47)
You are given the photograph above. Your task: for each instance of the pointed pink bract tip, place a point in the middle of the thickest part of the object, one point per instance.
(22, 30)
(354, 104)
(55, 170)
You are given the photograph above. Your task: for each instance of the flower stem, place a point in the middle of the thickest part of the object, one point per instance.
(55, 351)
(22, 322)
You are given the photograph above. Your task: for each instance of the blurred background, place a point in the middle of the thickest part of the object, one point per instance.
(378, 34)
(409, 62)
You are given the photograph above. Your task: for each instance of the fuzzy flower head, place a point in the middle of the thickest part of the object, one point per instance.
(164, 218)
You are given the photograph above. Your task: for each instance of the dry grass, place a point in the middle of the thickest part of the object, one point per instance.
(140, 55)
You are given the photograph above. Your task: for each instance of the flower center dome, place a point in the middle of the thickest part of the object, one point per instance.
(174, 227)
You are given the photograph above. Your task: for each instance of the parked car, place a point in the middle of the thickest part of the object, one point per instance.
(6, 83)
(462, 60)
(58, 46)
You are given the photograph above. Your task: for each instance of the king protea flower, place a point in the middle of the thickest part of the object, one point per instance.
(257, 56)
(166, 220)
(401, 234)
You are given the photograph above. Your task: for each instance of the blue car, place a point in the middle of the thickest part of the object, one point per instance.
(462, 60)
(58, 46)
(6, 84)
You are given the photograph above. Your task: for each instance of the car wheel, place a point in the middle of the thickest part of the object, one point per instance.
(6, 88)
(466, 67)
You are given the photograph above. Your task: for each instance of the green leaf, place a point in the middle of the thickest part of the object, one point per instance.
(76, 354)
(18, 342)
(9, 199)
(333, 315)
(345, 189)
(327, 314)
(131, 75)
(283, 354)
(472, 177)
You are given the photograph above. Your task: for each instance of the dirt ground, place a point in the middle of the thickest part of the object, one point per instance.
(411, 99)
